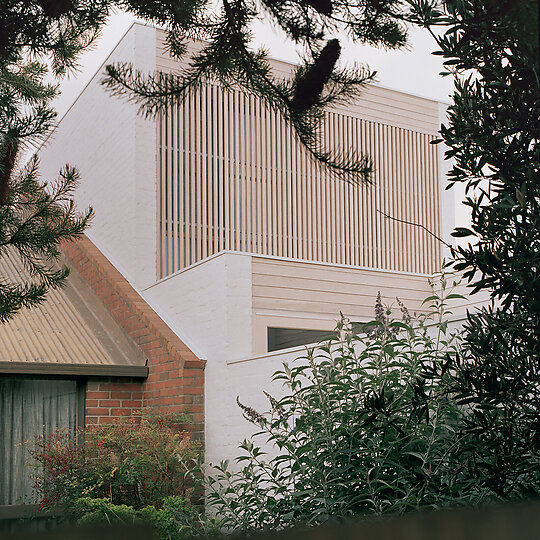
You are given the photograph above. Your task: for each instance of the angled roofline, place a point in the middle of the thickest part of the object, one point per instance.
(147, 330)
(81, 92)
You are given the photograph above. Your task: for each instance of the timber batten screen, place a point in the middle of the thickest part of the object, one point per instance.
(232, 176)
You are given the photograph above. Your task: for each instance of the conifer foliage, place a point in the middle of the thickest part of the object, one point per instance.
(37, 38)
(228, 57)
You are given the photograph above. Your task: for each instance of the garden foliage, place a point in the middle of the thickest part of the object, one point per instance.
(175, 519)
(136, 462)
(491, 48)
(362, 429)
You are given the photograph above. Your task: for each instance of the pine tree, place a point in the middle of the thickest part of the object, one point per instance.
(37, 37)
(228, 58)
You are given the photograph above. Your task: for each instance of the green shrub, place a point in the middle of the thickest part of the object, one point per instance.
(492, 136)
(135, 462)
(175, 520)
(362, 429)
(178, 519)
(99, 512)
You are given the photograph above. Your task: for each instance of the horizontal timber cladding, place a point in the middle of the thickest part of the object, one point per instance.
(281, 286)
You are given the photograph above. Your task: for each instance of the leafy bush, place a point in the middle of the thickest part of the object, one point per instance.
(134, 462)
(175, 520)
(492, 136)
(364, 428)
(99, 512)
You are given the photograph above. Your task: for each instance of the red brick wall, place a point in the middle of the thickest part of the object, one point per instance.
(176, 375)
(107, 401)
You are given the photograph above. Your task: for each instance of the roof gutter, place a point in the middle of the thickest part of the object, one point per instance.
(86, 370)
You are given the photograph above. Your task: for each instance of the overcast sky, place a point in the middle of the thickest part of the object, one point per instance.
(415, 71)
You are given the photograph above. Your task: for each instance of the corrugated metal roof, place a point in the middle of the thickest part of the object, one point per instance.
(70, 327)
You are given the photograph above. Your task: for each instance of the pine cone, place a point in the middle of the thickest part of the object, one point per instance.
(311, 82)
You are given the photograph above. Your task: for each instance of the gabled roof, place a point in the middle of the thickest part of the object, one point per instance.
(70, 333)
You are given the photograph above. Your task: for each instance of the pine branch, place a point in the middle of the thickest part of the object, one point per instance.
(227, 59)
(32, 225)
(38, 38)
(8, 155)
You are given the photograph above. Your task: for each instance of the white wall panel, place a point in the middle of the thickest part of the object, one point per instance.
(115, 152)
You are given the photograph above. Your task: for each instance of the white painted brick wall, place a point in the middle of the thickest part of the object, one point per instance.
(211, 304)
(115, 152)
(246, 380)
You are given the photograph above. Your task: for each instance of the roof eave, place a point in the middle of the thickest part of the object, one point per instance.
(77, 370)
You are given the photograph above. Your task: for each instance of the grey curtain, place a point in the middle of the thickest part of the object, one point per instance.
(29, 408)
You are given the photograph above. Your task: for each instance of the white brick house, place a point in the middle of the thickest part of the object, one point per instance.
(218, 219)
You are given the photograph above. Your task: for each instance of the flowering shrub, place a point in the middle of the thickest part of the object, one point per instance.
(364, 428)
(135, 462)
(59, 456)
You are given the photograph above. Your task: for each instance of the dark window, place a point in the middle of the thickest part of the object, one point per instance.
(283, 338)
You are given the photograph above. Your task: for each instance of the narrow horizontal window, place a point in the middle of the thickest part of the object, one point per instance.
(283, 338)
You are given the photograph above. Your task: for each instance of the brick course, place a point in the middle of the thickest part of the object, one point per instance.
(105, 403)
(176, 376)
